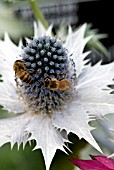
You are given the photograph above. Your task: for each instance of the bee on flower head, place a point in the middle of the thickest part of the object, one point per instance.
(54, 84)
(21, 72)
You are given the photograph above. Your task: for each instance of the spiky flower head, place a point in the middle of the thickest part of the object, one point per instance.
(50, 75)
(49, 84)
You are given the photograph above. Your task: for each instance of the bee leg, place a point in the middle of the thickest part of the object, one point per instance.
(16, 80)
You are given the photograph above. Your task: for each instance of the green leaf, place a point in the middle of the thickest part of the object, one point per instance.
(95, 40)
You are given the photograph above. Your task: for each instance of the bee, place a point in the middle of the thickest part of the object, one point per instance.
(54, 84)
(21, 72)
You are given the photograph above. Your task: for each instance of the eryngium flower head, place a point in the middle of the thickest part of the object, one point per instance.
(49, 84)
(99, 162)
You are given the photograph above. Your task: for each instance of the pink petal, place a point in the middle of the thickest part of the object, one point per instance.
(108, 162)
(89, 164)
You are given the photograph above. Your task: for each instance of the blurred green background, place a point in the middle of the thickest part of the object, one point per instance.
(10, 22)
(16, 16)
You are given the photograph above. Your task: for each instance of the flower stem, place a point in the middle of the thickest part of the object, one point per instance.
(37, 12)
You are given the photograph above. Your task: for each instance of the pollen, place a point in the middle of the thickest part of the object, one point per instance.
(50, 68)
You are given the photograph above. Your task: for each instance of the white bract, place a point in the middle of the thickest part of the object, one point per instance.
(91, 98)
